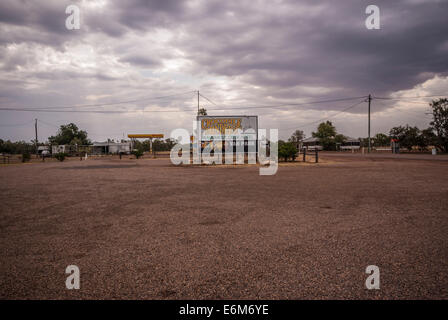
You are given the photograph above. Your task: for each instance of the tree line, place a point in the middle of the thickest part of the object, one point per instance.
(407, 136)
(70, 134)
(436, 135)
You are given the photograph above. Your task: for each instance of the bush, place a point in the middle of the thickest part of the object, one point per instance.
(287, 150)
(26, 156)
(60, 156)
(137, 153)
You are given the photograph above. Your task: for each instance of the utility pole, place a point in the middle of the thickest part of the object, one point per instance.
(35, 129)
(198, 102)
(369, 99)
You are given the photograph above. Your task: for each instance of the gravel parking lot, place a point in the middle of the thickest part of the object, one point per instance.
(145, 229)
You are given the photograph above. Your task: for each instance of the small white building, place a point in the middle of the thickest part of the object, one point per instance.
(312, 144)
(62, 148)
(41, 149)
(350, 144)
(108, 147)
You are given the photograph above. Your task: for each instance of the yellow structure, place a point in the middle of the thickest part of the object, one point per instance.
(150, 136)
(147, 136)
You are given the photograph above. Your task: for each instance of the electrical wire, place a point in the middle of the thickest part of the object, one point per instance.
(93, 111)
(94, 105)
(16, 125)
(168, 111)
(326, 118)
(282, 105)
(391, 98)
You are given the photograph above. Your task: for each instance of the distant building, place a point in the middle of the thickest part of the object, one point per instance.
(41, 149)
(350, 144)
(109, 147)
(62, 148)
(312, 144)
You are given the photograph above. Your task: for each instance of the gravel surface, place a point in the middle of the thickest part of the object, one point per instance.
(145, 229)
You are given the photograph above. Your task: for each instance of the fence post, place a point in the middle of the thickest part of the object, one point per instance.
(304, 154)
(317, 156)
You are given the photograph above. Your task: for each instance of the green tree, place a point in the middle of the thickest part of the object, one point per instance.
(61, 156)
(297, 137)
(326, 133)
(145, 145)
(137, 153)
(18, 147)
(427, 138)
(340, 138)
(26, 156)
(407, 136)
(163, 145)
(364, 142)
(440, 122)
(286, 150)
(397, 133)
(381, 140)
(70, 134)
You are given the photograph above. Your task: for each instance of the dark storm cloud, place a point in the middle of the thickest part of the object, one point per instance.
(43, 15)
(119, 17)
(276, 44)
(139, 14)
(332, 48)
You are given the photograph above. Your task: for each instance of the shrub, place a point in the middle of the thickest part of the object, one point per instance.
(60, 156)
(137, 153)
(26, 156)
(287, 150)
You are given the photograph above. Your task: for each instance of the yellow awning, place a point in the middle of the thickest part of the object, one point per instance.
(135, 136)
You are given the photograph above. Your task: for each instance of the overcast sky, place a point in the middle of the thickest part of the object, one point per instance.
(239, 54)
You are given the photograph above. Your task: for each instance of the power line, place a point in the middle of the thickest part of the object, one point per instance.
(207, 99)
(92, 111)
(95, 105)
(401, 110)
(16, 125)
(326, 118)
(416, 97)
(282, 105)
(50, 109)
(401, 100)
(48, 124)
(181, 110)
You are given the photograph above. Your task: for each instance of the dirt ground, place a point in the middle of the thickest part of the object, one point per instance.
(146, 229)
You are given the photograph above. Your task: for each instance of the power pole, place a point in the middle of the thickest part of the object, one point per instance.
(198, 102)
(369, 99)
(35, 129)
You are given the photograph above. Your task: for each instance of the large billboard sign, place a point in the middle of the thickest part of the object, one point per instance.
(232, 139)
(228, 128)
